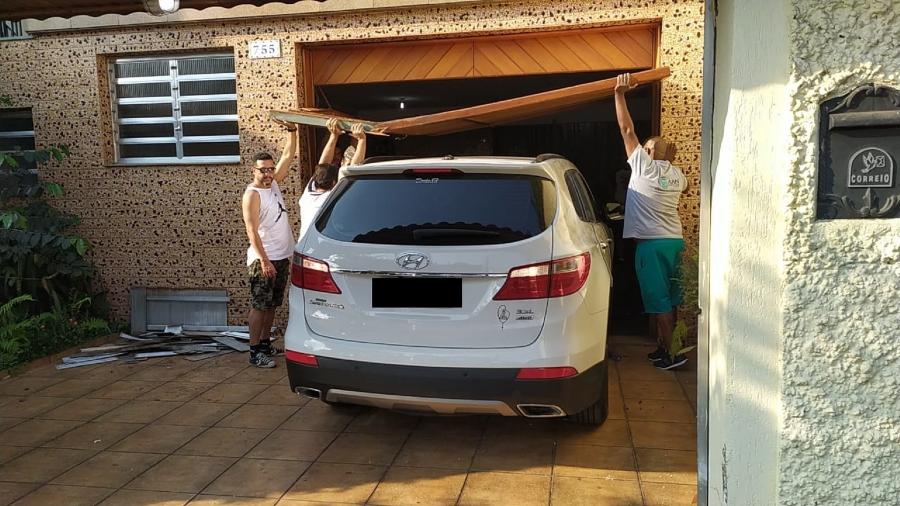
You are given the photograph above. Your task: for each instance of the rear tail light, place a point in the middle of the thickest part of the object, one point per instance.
(311, 274)
(301, 358)
(546, 373)
(556, 278)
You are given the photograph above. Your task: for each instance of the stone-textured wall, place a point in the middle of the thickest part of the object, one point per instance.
(180, 226)
(841, 357)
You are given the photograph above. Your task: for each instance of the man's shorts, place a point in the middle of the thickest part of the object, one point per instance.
(658, 266)
(268, 293)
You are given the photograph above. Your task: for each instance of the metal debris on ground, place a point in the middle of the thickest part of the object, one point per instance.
(173, 341)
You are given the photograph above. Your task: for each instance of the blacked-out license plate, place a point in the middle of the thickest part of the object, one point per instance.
(416, 292)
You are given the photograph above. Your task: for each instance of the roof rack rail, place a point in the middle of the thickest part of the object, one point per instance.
(386, 158)
(547, 156)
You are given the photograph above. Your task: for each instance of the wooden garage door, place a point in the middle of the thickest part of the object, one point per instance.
(620, 48)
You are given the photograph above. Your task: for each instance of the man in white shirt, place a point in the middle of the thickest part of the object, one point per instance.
(271, 245)
(651, 218)
(325, 176)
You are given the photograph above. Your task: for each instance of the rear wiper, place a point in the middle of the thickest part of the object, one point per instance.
(435, 233)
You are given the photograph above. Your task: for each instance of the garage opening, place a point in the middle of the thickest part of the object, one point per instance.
(587, 135)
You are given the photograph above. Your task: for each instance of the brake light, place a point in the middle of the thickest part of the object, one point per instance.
(430, 172)
(301, 358)
(546, 373)
(556, 278)
(311, 274)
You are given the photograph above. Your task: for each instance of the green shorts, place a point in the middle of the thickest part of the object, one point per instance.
(268, 293)
(658, 266)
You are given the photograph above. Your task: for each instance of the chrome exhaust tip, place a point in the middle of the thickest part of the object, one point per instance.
(312, 393)
(540, 411)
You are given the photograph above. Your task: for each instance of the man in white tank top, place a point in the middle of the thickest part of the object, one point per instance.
(651, 218)
(271, 245)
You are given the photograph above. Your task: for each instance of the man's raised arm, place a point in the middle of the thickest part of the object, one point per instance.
(359, 134)
(289, 153)
(626, 125)
(333, 133)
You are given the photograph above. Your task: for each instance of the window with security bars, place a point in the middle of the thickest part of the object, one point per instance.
(175, 110)
(17, 136)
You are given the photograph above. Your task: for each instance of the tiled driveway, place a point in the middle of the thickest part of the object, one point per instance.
(170, 432)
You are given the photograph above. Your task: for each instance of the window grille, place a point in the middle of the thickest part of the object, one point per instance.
(17, 136)
(175, 110)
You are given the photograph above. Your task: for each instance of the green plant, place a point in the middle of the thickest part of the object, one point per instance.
(690, 286)
(53, 331)
(14, 330)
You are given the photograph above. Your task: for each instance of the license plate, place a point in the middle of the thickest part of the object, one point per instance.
(417, 292)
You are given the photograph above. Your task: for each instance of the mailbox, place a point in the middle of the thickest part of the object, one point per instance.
(859, 145)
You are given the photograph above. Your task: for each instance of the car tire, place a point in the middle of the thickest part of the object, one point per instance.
(596, 413)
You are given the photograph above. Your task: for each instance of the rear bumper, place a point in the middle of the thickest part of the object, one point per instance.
(445, 390)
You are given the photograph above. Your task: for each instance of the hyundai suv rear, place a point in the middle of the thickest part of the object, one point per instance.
(455, 286)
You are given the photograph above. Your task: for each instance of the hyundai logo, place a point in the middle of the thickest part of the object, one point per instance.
(413, 261)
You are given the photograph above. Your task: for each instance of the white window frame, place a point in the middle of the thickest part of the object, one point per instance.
(179, 139)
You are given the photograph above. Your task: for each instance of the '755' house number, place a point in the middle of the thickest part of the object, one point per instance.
(265, 49)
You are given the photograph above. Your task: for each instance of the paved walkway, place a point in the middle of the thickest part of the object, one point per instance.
(171, 432)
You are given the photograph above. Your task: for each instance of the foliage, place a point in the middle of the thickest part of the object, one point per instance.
(690, 285)
(14, 330)
(56, 330)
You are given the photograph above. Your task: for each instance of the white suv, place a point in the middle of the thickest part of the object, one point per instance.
(451, 286)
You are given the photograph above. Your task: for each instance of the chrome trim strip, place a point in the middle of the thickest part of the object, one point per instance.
(403, 274)
(440, 406)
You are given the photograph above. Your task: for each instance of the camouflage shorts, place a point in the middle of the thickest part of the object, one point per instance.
(268, 293)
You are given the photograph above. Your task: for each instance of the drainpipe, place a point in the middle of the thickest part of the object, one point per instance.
(707, 179)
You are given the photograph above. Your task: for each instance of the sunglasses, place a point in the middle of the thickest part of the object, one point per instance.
(266, 170)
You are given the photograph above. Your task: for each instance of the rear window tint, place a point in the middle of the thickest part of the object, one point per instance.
(455, 210)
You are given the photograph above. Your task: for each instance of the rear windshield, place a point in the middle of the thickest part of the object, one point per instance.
(455, 210)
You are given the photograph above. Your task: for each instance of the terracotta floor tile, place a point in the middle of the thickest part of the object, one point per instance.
(252, 416)
(667, 494)
(72, 388)
(225, 442)
(139, 411)
(182, 473)
(108, 469)
(379, 421)
(451, 426)
(377, 449)
(505, 488)
(506, 426)
(599, 462)
(112, 372)
(258, 478)
(616, 406)
(227, 500)
(146, 498)
(83, 409)
(27, 407)
(587, 492)
(176, 391)
(667, 466)
(158, 438)
(451, 451)
(198, 413)
(8, 453)
(515, 455)
(611, 433)
(231, 393)
(658, 390)
(336, 483)
(257, 376)
(208, 374)
(411, 486)
(659, 410)
(26, 385)
(319, 416)
(159, 373)
(293, 445)
(61, 494)
(664, 435)
(643, 371)
(94, 435)
(36, 432)
(9, 492)
(281, 395)
(124, 389)
(42, 464)
(7, 422)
